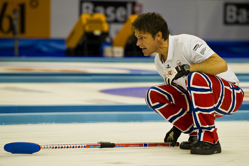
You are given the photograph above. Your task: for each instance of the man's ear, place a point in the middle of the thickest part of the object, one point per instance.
(159, 36)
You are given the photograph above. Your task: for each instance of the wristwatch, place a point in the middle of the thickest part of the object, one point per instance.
(187, 67)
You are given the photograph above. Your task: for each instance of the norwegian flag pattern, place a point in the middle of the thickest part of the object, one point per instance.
(211, 98)
(195, 110)
(171, 102)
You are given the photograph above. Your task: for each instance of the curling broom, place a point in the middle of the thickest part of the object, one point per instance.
(29, 148)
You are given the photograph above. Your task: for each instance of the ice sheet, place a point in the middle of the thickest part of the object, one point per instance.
(233, 138)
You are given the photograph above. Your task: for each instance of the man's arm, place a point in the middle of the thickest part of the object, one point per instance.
(212, 66)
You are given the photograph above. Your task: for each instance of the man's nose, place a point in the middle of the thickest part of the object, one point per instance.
(138, 43)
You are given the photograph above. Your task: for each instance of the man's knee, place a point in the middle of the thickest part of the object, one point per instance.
(197, 79)
(158, 94)
(152, 95)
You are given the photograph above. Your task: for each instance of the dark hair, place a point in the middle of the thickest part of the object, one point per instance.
(151, 23)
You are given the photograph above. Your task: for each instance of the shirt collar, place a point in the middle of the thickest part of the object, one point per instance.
(170, 48)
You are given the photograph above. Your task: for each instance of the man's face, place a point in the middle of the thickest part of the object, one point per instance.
(146, 42)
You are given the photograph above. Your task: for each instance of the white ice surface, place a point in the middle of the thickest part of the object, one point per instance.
(91, 67)
(73, 93)
(66, 93)
(233, 137)
(87, 67)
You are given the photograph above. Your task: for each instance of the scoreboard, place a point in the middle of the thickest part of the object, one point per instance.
(33, 18)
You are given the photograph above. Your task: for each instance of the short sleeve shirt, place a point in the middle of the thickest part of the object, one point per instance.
(188, 49)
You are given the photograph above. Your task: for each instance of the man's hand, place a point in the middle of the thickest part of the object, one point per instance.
(172, 135)
(175, 73)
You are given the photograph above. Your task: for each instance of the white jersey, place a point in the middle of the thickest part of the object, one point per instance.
(188, 49)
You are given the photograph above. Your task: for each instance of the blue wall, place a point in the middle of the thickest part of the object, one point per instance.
(57, 48)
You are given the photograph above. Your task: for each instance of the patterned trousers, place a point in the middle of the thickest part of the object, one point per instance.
(194, 110)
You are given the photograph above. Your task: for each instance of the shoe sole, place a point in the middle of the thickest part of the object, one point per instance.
(185, 147)
(205, 151)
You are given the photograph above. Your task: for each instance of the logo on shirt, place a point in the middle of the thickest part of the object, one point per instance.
(203, 51)
(196, 47)
(178, 63)
(168, 66)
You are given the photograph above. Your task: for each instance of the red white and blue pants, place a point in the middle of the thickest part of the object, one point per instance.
(194, 110)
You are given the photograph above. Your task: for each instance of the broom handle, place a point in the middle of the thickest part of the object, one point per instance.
(104, 145)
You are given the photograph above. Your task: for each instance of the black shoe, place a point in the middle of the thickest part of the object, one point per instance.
(202, 147)
(188, 144)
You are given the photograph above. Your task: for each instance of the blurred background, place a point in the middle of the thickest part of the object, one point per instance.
(62, 28)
